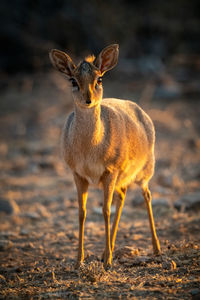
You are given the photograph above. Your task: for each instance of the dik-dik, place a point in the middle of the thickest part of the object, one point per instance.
(108, 142)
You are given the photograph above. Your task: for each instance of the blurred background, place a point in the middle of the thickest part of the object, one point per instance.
(154, 31)
(159, 48)
(159, 68)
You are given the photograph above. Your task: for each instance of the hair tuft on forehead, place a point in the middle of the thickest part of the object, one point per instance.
(90, 58)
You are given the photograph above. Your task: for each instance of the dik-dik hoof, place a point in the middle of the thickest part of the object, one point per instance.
(107, 262)
(107, 266)
(156, 250)
(78, 265)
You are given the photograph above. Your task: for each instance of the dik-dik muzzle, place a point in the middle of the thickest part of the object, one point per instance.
(88, 91)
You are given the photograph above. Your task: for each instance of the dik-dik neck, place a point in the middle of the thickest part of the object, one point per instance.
(88, 124)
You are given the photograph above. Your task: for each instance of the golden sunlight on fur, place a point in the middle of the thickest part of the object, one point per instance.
(90, 58)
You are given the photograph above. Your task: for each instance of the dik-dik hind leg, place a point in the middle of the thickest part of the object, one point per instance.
(155, 241)
(119, 205)
(82, 190)
(108, 181)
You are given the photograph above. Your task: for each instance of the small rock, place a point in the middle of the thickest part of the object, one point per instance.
(161, 207)
(163, 190)
(195, 292)
(32, 215)
(165, 179)
(160, 202)
(2, 279)
(166, 265)
(5, 245)
(42, 211)
(7, 234)
(98, 210)
(141, 261)
(126, 252)
(72, 236)
(183, 270)
(188, 202)
(138, 200)
(46, 165)
(24, 231)
(31, 245)
(9, 207)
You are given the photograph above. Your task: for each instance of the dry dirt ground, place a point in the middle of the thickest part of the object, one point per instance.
(39, 211)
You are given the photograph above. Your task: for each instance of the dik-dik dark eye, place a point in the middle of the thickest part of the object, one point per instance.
(75, 86)
(99, 82)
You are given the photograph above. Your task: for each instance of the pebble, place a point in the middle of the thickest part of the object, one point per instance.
(24, 231)
(42, 211)
(7, 234)
(188, 202)
(165, 179)
(32, 215)
(163, 190)
(195, 292)
(46, 165)
(161, 207)
(126, 252)
(9, 207)
(98, 210)
(2, 279)
(138, 200)
(141, 260)
(160, 202)
(5, 245)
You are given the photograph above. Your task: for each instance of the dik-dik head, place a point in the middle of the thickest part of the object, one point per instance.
(86, 77)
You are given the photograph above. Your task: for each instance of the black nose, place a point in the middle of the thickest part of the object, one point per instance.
(88, 101)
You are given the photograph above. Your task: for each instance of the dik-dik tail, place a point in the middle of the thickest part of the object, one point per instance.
(109, 142)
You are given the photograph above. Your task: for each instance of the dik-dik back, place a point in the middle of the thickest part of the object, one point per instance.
(108, 142)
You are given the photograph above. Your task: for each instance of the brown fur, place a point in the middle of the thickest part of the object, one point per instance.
(109, 142)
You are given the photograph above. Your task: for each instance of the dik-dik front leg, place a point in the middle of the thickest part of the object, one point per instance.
(82, 190)
(108, 181)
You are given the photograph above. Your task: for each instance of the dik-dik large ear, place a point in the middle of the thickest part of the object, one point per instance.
(62, 62)
(108, 58)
